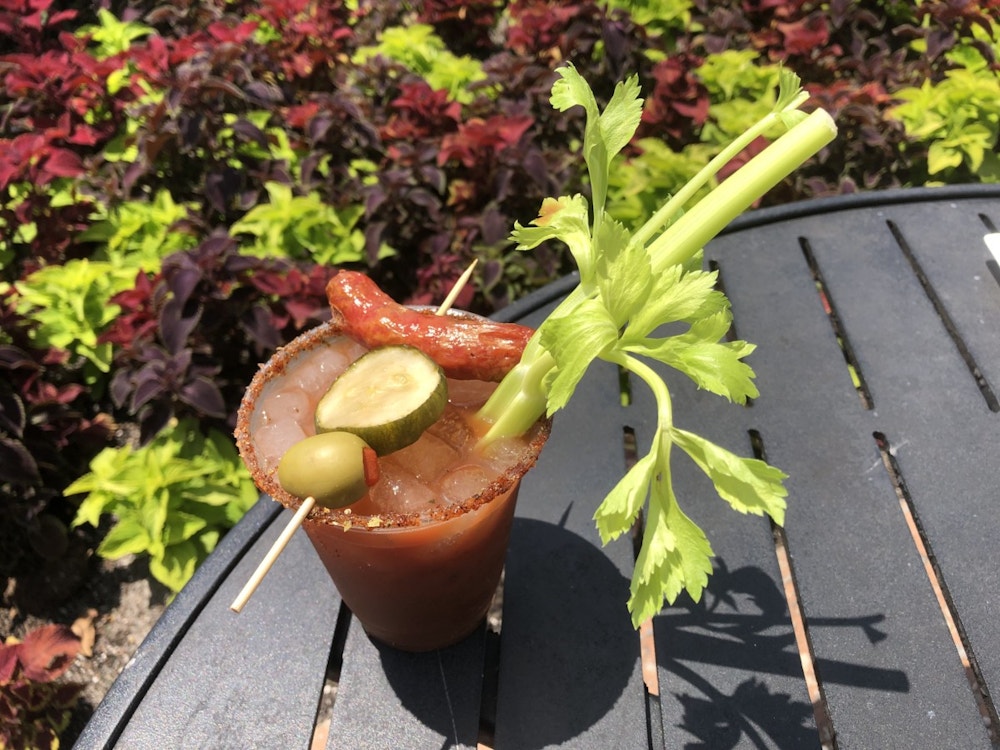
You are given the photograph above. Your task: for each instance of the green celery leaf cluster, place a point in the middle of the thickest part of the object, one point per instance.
(644, 298)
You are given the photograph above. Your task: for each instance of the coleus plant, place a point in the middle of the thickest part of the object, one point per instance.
(34, 705)
(632, 282)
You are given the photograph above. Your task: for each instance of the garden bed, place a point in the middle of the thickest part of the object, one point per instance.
(178, 181)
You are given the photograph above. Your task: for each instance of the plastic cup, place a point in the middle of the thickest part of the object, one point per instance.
(416, 581)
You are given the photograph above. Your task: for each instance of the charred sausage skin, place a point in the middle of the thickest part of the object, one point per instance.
(465, 348)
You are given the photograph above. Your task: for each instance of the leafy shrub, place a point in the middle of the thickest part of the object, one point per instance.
(303, 227)
(138, 234)
(69, 305)
(34, 706)
(187, 337)
(172, 498)
(424, 53)
(959, 116)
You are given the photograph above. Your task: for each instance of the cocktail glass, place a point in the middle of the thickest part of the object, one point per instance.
(422, 574)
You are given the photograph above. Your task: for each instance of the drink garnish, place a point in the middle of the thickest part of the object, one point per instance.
(631, 284)
(466, 347)
(387, 397)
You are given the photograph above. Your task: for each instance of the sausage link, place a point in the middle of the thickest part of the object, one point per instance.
(465, 348)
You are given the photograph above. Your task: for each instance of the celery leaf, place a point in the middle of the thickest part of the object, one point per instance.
(749, 485)
(616, 514)
(566, 219)
(605, 134)
(675, 555)
(714, 365)
(574, 342)
(624, 275)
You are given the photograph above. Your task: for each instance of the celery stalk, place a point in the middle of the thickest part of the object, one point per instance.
(631, 285)
(520, 401)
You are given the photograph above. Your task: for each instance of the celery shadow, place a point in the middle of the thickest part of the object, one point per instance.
(741, 627)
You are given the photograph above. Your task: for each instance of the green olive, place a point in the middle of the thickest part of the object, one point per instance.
(329, 467)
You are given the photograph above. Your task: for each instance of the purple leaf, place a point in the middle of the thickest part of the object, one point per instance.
(203, 395)
(16, 464)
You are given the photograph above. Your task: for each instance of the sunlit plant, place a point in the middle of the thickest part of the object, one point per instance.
(171, 500)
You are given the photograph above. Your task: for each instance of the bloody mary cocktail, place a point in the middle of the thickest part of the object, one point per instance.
(418, 558)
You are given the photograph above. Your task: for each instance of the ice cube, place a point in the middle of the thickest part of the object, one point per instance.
(316, 372)
(453, 429)
(399, 491)
(503, 453)
(463, 482)
(271, 442)
(472, 393)
(289, 403)
(427, 458)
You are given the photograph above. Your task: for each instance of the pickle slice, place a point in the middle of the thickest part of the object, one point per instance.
(387, 397)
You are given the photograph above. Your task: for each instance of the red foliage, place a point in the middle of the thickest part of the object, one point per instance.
(312, 35)
(420, 112)
(137, 321)
(546, 28)
(32, 706)
(478, 137)
(25, 23)
(678, 100)
(43, 656)
(804, 35)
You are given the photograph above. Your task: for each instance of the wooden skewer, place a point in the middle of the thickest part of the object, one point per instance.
(307, 505)
(457, 288)
(276, 549)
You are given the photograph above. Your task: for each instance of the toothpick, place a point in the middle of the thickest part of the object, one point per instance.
(276, 549)
(456, 289)
(307, 505)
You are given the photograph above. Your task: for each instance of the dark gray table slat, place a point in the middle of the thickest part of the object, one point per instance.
(955, 499)
(853, 554)
(951, 253)
(256, 675)
(388, 698)
(730, 672)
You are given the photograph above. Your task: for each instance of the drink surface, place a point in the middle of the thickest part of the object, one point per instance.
(442, 468)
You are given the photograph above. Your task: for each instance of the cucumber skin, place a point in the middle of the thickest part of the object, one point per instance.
(389, 437)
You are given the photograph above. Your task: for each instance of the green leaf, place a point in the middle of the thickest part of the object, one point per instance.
(676, 295)
(180, 526)
(712, 365)
(420, 49)
(127, 537)
(621, 117)
(182, 486)
(207, 541)
(624, 274)
(675, 556)
(574, 342)
(176, 566)
(790, 94)
(617, 512)
(566, 219)
(605, 134)
(749, 485)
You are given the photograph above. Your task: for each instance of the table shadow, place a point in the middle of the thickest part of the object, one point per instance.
(544, 692)
(441, 689)
(742, 623)
(569, 656)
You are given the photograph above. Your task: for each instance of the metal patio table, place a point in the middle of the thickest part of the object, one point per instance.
(870, 621)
